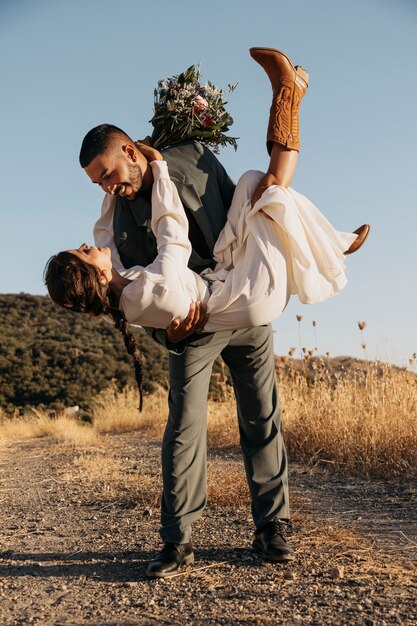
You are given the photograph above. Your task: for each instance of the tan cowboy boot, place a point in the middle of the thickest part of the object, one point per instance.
(289, 85)
(362, 232)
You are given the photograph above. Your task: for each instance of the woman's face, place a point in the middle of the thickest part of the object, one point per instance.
(100, 257)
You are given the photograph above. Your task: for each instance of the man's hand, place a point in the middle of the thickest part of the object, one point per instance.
(151, 154)
(194, 322)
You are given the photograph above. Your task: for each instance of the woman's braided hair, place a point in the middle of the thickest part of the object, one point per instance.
(76, 285)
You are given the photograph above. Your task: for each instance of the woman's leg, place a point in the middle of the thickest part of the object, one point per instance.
(281, 170)
(289, 85)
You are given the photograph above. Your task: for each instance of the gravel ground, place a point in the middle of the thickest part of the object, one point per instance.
(79, 525)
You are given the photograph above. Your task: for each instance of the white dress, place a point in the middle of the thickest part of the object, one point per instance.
(281, 246)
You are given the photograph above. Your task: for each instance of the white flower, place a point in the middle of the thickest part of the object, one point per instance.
(212, 91)
(171, 105)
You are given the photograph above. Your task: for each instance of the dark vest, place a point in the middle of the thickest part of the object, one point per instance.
(206, 193)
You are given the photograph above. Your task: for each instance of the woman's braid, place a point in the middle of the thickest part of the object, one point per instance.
(132, 348)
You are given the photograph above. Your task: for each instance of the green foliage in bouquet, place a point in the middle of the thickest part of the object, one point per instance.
(184, 109)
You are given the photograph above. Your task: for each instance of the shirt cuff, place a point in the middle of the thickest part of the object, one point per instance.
(159, 169)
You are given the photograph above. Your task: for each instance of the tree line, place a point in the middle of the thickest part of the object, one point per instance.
(53, 358)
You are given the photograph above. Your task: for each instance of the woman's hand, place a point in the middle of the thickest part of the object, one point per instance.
(150, 154)
(194, 322)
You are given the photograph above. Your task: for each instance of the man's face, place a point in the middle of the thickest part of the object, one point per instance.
(117, 171)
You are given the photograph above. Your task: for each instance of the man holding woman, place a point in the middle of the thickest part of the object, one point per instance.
(112, 160)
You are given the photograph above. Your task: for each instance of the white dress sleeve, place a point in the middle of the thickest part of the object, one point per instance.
(166, 287)
(170, 226)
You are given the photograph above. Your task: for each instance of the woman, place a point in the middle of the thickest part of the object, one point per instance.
(275, 243)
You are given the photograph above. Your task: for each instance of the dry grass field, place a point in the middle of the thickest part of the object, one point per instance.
(362, 421)
(77, 537)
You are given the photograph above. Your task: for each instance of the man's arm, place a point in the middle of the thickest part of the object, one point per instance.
(160, 336)
(174, 338)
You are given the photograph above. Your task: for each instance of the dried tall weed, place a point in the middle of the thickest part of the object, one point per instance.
(363, 422)
(107, 478)
(227, 485)
(39, 424)
(117, 411)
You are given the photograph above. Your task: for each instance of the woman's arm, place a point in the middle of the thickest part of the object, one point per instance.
(166, 287)
(170, 227)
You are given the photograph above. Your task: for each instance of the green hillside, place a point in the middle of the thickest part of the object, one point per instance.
(52, 357)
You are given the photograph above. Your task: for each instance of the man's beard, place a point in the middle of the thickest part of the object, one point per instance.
(135, 177)
(134, 181)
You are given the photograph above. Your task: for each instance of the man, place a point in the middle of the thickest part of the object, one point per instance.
(112, 160)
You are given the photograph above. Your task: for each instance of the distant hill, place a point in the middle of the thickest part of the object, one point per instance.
(52, 357)
(317, 368)
(55, 358)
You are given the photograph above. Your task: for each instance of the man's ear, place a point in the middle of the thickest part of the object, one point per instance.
(130, 151)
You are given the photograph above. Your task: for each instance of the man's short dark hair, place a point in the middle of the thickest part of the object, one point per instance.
(97, 140)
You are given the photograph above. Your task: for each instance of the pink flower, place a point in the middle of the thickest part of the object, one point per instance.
(200, 104)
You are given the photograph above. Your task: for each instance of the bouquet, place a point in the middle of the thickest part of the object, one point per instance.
(184, 109)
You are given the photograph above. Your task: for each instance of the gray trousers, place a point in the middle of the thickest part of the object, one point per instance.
(250, 358)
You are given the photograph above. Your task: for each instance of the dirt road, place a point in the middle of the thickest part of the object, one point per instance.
(79, 525)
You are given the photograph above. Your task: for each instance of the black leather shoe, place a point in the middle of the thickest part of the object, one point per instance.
(169, 560)
(271, 544)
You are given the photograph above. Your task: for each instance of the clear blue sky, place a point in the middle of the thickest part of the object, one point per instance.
(67, 66)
